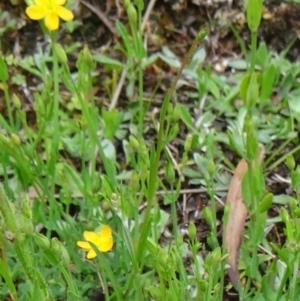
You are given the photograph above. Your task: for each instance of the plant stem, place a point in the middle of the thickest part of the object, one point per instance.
(8, 104)
(253, 51)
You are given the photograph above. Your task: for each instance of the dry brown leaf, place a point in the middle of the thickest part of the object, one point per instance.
(233, 231)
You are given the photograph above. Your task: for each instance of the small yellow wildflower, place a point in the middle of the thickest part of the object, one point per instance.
(51, 11)
(102, 239)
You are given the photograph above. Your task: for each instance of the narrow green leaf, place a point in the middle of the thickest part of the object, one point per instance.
(268, 80)
(252, 91)
(244, 88)
(3, 70)
(5, 274)
(266, 203)
(107, 61)
(125, 37)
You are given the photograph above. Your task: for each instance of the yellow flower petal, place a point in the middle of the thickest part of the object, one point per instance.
(105, 240)
(91, 254)
(102, 240)
(105, 231)
(60, 2)
(52, 21)
(35, 12)
(64, 13)
(105, 244)
(84, 245)
(42, 3)
(91, 236)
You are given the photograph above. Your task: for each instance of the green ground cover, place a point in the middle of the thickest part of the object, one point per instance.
(95, 192)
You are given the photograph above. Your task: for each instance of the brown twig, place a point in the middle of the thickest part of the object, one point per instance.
(101, 15)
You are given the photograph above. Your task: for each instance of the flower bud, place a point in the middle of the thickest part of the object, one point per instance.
(105, 206)
(65, 257)
(211, 167)
(207, 214)
(48, 83)
(288, 224)
(192, 231)
(61, 54)
(115, 200)
(169, 173)
(132, 15)
(16, 101)
(26, 210)
(188, 143)
(15, 139)
(88, 59)
(42, 241)
(59, 249)
(290, 162)
(55, 245)
(140, 4)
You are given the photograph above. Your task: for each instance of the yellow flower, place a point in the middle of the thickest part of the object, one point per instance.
(51, 11)
(102, 240)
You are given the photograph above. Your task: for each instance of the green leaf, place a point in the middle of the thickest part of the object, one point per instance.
(183, 113)
(201, 163)
(3, 70)
(8, 280)
(252, 91)
(108, 62)
(109, 150)
(244, 88)
(236, 142)
(169, 57)
(294, 103)
(125, 37)
(282, 199)
(238, 64)
(202, 34)
(213, 88)
(286, 85)
(173, 133)
(266, 203)
(268, 80)
(289, 229)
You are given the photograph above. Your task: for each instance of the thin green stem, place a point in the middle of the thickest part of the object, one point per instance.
(8, 105)
(294, 281)
(174, 214)
(211, 193)
(55, 120)
(281, 159)
(140, 76)
(253, 51)
(277, 151)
